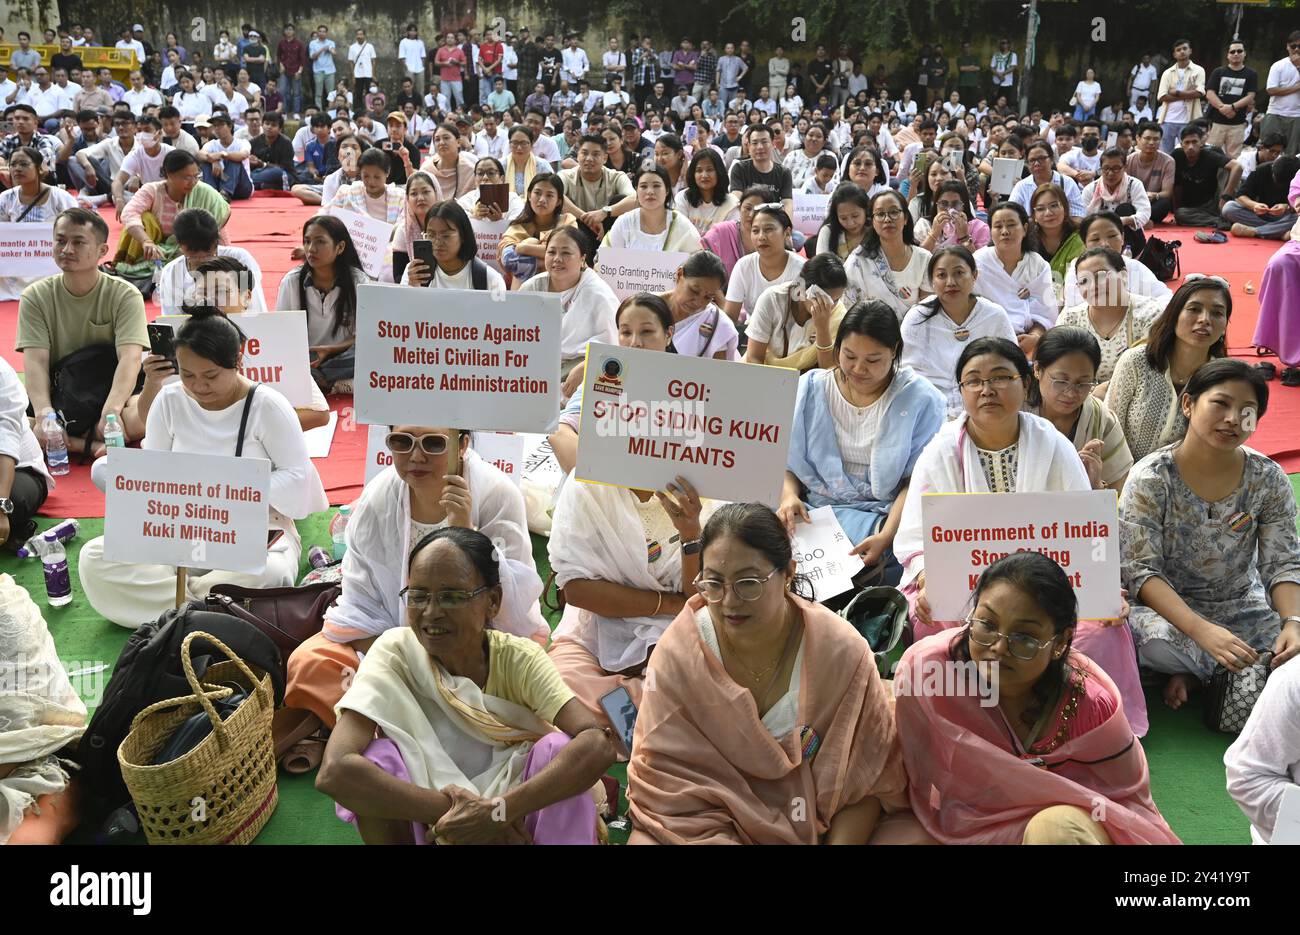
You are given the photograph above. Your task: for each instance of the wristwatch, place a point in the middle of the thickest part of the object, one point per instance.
(695, 545)
(6, 506)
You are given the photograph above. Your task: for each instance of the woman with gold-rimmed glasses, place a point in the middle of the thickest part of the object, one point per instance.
(1021, 739)
(435, 481)
(448, 722)
(489, 171)
(761, 697)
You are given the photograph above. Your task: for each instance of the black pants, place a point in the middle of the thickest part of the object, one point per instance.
(1206, 215)
(360, 88)
(28, 494)
(1161, 209)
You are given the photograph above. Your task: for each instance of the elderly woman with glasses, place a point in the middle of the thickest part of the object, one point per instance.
(435, 481)
(1031, 745)
(458, 733)
(768, 723)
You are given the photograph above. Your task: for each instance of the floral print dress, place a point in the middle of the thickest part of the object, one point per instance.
(1222, 558)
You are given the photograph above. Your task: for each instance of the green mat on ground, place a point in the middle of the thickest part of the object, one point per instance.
(1186, 759)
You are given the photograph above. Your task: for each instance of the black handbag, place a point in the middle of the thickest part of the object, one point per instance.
(1161, 257)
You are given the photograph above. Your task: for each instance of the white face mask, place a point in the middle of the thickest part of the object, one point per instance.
(144, 139)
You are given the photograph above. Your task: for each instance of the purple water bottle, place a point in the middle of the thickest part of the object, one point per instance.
(319, 557)
(58, 581)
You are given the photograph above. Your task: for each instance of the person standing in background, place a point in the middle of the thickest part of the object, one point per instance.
(548, 65)
(413, 55)
(1181, 88)
(450, 62)
(574, 62)
(819, 74)
(362, 55)
(706, 70)
(1140, 79)
(291, 55)
(1230, 93)
(490, 54)
(1283, 87)
(778, 72)
(937, 89)
(1004, 66)
(323, 70)
(843, 71)
(645, 70)
(469, 47)
(746, 55)
(530, 54)
(614, 61)
(968, 75)
(684, 60)
(510, 64)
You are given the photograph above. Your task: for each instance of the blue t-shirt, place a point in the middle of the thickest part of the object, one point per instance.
(325, 63)
(729, 67)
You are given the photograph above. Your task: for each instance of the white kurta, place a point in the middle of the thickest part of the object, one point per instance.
(931, 345)
(1264, 761)
(178, 281)
(130, 595)
(589, 309)
(1032, 275)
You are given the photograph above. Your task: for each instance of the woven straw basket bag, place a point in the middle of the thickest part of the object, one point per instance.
(223, 790)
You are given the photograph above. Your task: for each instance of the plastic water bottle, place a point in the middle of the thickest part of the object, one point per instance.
(58, 581)
(318, 557)
(157, 277)
(337, 526)
(65, 531)
(114, 437)
(56, 445)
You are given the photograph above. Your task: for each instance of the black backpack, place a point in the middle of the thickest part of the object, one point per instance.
(80, 383)
(148, 670)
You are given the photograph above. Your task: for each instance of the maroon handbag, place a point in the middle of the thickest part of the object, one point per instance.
(289, 616)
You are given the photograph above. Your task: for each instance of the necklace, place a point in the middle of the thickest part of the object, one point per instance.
(766, 672)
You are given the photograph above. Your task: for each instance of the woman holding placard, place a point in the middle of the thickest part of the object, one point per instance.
(771, 264)
(31, 201)
(937, 331)
(1058, 759)
(521, 165)
(523, 245)
(624, 560)
(889, 265)
(1013, 276)
(795, 322)
(1143, 391)
(213, 410)
(846, 221)
(1106, 229)
(1117, 318)
(652, 225)
(326, 287)
(1208, 537)
(858, 430)
(700, 329)
(642, 321)
(705, 199)
(587, 300)
(762, 700)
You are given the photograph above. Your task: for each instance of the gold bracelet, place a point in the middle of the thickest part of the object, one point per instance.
(658, 603)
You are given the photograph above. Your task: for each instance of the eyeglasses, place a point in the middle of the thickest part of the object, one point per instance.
(747, 589)
(1062, 387)
(441, 239)
(487, 174)
(893, 214)
(1194, 277)
(1038, 160)
(418, 598)
(1050, 208)
(996, 384)
(400, 443)
(1021, 645)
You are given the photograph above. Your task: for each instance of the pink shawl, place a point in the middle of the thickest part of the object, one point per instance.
(704, 769)
(968, 787)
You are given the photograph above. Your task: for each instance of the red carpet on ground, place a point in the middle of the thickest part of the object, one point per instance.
(269, 226)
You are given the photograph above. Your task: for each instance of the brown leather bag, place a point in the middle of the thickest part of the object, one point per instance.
(289, 616)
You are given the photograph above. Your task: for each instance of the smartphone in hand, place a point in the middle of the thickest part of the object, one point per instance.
(422, 250)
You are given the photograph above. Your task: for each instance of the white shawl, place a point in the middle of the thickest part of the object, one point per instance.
(596, 534)
(378, 539)
(431, 715)
(40, 713)
(1033, 273)
(589, 309)
(1141, 282)
(1046, 461)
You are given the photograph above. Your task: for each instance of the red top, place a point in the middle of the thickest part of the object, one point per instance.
(489, 55)
(291, 54)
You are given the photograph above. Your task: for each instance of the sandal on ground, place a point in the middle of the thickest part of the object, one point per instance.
(1291, 376)
(1266, 370)
(1211, 237)
(341, 388)
(305, 755)
(1261, 351)
(291, 725)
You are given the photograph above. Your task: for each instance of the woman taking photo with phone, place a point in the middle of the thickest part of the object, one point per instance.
(421, 195)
